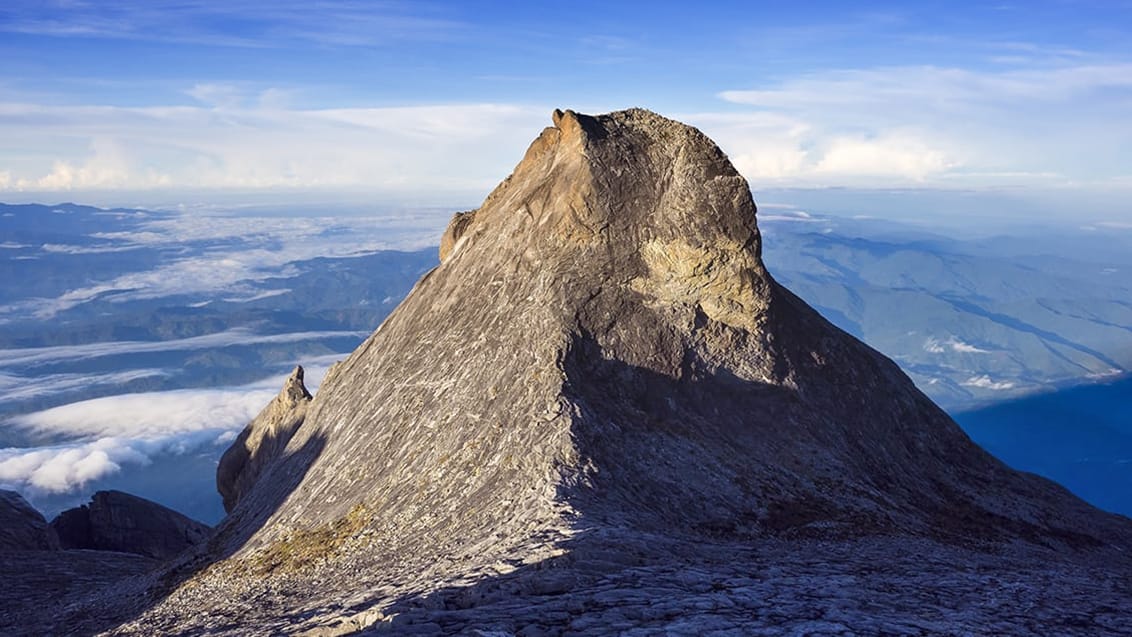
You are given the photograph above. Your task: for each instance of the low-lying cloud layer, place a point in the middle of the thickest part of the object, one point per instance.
(235, 336)
(18, 388)
(951, 344)
(65, 468)
(234, 253)
(985, 382)
(116, 432)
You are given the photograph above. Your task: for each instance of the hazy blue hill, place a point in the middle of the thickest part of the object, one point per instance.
(48, 250)
(64, 221)
(972, 321)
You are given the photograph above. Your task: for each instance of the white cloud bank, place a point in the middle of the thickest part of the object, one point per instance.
(65, 468)
(116, 432)
(152, 414)
(985, 382)
(1052, 126)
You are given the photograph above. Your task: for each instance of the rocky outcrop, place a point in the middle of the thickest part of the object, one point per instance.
(262, 440)
(456, 228)
(116, 521)
(601, 413)
(22, 528)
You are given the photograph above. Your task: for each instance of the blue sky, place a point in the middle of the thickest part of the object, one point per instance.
(395, 98)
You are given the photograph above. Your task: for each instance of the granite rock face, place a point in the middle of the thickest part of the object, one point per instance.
(600, 414)
(22, 527)
(603, 333)
(262, 440)
(116, 521)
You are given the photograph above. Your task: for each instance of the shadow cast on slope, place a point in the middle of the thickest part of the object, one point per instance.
(1078, 436)
(663, 510)
(682, 543)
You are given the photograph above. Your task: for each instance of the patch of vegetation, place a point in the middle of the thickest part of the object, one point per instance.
(302, 548)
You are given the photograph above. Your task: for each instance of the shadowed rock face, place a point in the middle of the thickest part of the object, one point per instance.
(22, 528)
(262, 440)
(602, 378)
(116, 521)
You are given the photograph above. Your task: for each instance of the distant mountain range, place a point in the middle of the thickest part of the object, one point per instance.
(973, 320)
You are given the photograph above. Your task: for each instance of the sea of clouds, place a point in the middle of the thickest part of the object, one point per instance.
(112, 433)
(85, 442)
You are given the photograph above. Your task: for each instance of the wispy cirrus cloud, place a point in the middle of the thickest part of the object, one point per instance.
(237, 141)
(239, 23)
(1037, 126)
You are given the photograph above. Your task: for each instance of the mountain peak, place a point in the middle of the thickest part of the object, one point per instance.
(602, 329)
(647, 189)
(261, 442)
(600, 372)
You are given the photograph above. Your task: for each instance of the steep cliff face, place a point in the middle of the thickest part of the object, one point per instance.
(602, 341)
(601, 376)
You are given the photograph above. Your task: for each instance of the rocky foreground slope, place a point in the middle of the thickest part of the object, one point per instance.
(47, 568)
(600, 414)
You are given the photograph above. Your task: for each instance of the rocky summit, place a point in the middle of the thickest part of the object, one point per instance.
(600, 414)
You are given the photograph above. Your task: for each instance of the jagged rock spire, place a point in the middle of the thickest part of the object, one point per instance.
(603, 342)
(261, 442)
